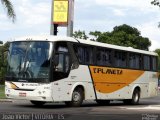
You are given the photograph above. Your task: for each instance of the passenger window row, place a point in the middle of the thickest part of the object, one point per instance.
(90, 55)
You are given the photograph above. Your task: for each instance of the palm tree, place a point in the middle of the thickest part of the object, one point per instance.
(9, 7)
(155, 2)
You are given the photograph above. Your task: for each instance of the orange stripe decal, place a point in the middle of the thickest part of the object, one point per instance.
(13, 86)
(108, 80)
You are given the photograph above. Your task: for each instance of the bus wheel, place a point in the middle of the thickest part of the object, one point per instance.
(37, 103)
(103, 102)
(135, 98)
(77, 98)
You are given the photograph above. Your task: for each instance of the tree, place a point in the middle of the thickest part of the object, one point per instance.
(9, 7)
(80, 34)
(3, 61)
(96, 34)
(127, 29)
(123, 35)
(156, 3)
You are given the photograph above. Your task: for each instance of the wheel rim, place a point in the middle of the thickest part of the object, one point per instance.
(76, 96)
(136, 98)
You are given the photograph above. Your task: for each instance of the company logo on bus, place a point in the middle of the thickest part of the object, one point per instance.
(108, 71)
(29, 84)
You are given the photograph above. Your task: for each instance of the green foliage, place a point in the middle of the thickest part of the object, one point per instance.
(123, 35)
(80, 34)
(9, 8)
(96, 34)
(158, 52)
(2, 92)
(3, 61)
(156, 3)
(127, 29)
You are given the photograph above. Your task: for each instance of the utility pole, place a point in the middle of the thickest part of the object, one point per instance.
(55, 29)
(52, 25)
(70, 18)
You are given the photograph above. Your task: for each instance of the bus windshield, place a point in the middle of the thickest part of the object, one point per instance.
(29, 61)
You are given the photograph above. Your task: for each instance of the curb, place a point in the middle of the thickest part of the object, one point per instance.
(5, 100)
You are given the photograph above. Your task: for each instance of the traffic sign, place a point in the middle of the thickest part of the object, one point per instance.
(60, 12)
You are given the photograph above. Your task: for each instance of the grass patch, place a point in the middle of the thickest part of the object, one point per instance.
(2, 95)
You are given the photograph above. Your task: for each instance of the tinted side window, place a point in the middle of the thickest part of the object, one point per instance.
(84, 54)
(154, 63)
(88, 55)
(103, 57)
(134, 60)
(120, 59)
(80, 54)
(61, 49)
(146, 62)
(61, 65)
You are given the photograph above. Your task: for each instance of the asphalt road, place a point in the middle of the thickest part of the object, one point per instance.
(148, 109)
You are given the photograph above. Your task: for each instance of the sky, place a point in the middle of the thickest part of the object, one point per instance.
(34, 18)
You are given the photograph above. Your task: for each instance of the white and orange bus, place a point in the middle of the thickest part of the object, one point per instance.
(45, 69)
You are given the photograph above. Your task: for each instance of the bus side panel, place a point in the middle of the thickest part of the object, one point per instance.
(153, 84)
(117, 83)
(62, 89)
(117, 87)
(150, 80)
(126, 92)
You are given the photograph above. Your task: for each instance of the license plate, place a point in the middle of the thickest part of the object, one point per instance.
(22, 94)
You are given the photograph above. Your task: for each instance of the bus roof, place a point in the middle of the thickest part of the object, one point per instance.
(88, 42)
(129, 49)
(46, 38)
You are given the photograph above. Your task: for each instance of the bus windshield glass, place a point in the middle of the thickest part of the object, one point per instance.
(29, 61)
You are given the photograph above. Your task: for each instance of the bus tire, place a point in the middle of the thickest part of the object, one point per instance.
(77, 98)
(37, 103)
(135, 98)
(103, 102)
